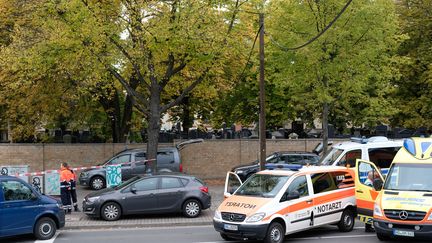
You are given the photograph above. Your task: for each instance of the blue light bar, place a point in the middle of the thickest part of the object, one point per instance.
(409, 145)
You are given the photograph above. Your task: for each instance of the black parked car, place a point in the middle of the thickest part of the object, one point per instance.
(283, 159)
(168, 160)
(161, 193)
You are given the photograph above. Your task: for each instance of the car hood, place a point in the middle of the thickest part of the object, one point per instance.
(243, 204)
(412, 201)
(247, 166)
(94, 171)
(102, 192)
(50, 200)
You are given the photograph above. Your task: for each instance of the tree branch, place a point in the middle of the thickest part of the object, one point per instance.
(185, 92)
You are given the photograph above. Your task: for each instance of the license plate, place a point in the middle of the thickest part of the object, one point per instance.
(403, 233)
(230, 227)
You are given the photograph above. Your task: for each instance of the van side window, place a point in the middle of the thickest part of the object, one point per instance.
(125, 158)
(367, 174)
(343, 179)
(15, 191)
(299, 184)
(323, 182)
(350, 158)
(383, 157)
(140, 159)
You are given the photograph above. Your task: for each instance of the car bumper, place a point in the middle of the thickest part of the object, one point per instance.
(91, 209)
(62, 219)
(257, 232)
(84, 181)
(382, 227)
(206, 202)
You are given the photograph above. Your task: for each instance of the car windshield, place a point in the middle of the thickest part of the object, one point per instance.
(262, 185)
(409, 177)
(126, 183)
(330, 157)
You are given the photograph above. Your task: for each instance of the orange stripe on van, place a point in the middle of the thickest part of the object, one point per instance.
(365, 204)
(316, 201)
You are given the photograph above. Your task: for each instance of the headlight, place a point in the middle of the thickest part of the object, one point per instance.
(377, 210)
(217, 215)
(59, 205)
(430, 216)
(255, 218)
(239, 172)
(92, 199)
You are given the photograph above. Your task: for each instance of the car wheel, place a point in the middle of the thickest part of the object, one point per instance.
(45, 229)
(226, 237)
(97, 183)
(382, 237)
(111, 211)
(346, 223)
(275, 233)
(191, 208)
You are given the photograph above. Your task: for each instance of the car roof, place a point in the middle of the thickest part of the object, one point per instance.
(158, 174)
(144, 150)
(378, 144)
(295, 152)
(6, 177)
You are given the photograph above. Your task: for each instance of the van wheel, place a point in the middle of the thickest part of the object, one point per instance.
(45, 229)
(382, 237)
(191, 208)
(275, 233)
(226, 237)
(97, 183)
(111, 211)
(346, 223)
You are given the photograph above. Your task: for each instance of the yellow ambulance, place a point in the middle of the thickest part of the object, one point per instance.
(400, 205)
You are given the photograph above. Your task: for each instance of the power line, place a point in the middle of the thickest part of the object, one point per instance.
(315, 37)
(250, 53)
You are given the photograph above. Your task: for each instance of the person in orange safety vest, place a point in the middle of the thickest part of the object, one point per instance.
(65, 187)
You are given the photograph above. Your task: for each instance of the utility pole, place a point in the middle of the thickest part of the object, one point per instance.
(262, 122)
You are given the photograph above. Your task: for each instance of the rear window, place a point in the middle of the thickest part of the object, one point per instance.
(199, 181)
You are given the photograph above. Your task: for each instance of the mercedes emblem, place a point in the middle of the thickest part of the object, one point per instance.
(403, 215)
(231, 217)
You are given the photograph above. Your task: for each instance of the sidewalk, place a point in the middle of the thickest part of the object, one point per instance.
(78, 220)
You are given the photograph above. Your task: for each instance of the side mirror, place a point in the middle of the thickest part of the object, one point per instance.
(377, 184)
(290, 196)
(133, 189)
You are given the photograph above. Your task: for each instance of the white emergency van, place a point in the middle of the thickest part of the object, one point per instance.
(275, 203)
(380, 150)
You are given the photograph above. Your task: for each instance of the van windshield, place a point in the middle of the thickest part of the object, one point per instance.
(330, 157)
(261, 185)
(409, 177)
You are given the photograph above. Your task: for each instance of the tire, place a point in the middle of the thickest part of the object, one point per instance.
(226, 237)
(97, 183)
(275, 233)
(382, 237)
(111, 211)
(346, 223)
(44, 229)
(191, 208)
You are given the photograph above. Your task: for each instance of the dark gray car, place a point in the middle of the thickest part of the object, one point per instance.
(162, 193)
(168, 160)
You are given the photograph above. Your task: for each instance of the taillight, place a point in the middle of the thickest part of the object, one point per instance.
(204, 189)
(181, 168)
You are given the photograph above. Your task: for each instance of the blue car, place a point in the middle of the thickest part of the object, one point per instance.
(23, 210)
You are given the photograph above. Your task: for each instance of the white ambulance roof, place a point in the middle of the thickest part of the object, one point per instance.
(304, 169)
(373, 142)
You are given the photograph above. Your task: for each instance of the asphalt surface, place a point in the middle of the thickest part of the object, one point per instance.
(196, 234)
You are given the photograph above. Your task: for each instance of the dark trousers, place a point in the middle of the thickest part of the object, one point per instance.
(74, 195)
(65, 198)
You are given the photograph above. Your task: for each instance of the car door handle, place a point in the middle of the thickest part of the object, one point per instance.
(359, 191)
(309, 201)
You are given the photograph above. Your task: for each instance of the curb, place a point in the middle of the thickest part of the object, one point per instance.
(137, 225)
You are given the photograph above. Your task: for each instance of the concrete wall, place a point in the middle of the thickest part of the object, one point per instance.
(208, 160)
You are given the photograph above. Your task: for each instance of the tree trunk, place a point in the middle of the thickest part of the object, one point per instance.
(186, 117)
(325, 126)
(153, 127)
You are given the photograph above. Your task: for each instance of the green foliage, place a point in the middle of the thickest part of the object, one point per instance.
(349, 67)
(414, 88)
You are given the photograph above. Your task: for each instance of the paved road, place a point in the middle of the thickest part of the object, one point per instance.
(196, 234)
